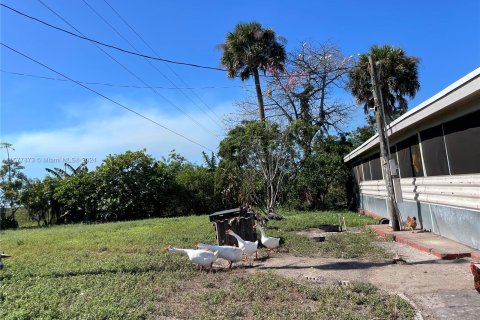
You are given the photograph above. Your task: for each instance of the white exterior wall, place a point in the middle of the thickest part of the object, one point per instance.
(446, 205)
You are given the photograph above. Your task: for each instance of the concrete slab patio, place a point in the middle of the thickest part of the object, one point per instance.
(428, 242)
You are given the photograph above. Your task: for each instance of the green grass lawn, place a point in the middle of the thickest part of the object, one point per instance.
(120, 271)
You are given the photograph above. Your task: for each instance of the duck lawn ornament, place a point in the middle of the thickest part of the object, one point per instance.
(230, 253)
(200, 257)
(248, 247)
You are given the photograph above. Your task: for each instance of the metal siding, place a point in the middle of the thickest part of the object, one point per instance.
(461, 191)
(446, 205)
(458, 224)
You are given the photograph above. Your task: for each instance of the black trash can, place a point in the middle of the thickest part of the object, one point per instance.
(239, 220)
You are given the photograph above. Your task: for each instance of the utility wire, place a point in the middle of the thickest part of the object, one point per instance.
(120, 85)
(157, 55)
(150, 62)
(109, 45)
(131, 52)
(107, 98)
(131, 72)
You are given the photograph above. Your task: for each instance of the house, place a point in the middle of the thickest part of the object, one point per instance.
(437, 148)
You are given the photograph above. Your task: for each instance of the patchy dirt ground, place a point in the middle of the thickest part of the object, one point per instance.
(439, 289)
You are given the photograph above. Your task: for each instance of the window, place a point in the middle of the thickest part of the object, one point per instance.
(409, 158)
(462, 137)
(434, 153)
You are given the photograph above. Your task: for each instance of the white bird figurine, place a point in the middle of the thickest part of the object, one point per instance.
(203, 258)
(230, 253)
(268, 242)
(248, 247)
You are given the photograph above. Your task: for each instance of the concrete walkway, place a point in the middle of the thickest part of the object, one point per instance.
(428, 242)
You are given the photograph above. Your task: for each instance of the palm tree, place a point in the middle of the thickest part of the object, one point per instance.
(63, 173)
(398, 77)
(250, 48)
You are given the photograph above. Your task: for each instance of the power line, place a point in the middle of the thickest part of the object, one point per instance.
(109, 45)
(107, 98)
(131, 72)
(149, 62)
(107, 84)
(131, 52)
(157, 55)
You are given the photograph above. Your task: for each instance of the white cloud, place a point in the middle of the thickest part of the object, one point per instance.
(101, 130)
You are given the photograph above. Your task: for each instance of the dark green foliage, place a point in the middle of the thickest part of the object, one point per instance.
(127, 186)
(321, 182)
(256, 161)
(398, 76)
(361, 134)
(35, 198)
(77, 196)
(12, 180)
(251, 47)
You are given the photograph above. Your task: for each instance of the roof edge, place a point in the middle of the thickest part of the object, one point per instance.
(443, 93)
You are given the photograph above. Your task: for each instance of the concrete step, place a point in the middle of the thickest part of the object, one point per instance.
(431, 243)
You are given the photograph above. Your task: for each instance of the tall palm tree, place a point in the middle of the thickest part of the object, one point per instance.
(398, 77)
(250, 48)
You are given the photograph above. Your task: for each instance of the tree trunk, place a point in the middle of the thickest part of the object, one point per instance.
(261, 106)
(391, 203)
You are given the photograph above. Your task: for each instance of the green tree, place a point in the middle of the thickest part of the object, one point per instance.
(78, 197)
(126, 185)
(303, 95)
(361, 134)
(250, 48)
(64, 173)
(256, 161)
(36, 198)
(198, 186)
(232, 154)
(320, 182)
(398, 77)
(12, 180)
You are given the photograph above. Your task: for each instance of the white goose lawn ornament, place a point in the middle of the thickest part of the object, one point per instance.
(248, 247)
(229, 253)
(203, 258)
(268, 242)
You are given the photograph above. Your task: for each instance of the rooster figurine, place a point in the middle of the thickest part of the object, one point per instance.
(411, 223)
(476, 274)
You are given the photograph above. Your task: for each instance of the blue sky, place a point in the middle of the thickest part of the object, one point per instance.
(57, 120)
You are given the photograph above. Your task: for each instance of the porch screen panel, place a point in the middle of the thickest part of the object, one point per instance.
(376, 167)
(416, 155)
(393, 153)
(366, 170)
(410, 158)
(434, 153)
(404, 159)
(462, 136)
(358, 173)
